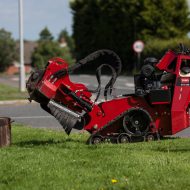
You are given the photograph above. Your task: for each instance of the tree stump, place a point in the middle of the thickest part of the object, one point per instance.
(5, 131)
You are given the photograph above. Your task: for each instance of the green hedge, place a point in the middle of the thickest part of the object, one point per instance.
(157, 47)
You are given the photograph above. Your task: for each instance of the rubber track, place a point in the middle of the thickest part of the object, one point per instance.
(111, 122)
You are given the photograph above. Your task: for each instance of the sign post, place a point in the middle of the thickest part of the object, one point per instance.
(138, 47)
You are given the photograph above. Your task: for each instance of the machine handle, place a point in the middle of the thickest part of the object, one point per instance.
(82, 102)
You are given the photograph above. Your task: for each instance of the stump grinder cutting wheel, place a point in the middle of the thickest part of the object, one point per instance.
(160, 105)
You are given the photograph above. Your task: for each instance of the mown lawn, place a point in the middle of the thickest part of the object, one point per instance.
(44, 159)
(11, 93)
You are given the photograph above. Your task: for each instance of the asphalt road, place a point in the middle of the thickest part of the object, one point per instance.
(122, 84)
(31, 114)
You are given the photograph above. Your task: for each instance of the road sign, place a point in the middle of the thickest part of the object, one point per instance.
(138, 46)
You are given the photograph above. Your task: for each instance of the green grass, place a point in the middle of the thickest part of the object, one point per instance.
(11, 93)
(44, 159)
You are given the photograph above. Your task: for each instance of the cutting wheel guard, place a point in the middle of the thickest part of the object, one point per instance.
(66, 117)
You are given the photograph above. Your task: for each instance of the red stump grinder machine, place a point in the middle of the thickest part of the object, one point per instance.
(160, 105)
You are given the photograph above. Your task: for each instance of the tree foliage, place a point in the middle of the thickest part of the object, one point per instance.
(164, 19)
(47, 49)
(116, 24)
(8, 52)
(45, 35)
(157, 48)
(69, 40)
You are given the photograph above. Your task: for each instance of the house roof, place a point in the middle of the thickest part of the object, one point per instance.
(29, 47)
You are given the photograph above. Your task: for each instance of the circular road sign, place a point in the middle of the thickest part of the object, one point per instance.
(138, 46)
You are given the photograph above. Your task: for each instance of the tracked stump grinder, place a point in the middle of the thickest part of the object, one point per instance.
(159, 107)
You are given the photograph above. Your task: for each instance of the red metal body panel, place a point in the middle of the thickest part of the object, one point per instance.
(111, 109)
(181, 95)
(181, 99)
(166, 60)
(52, 88)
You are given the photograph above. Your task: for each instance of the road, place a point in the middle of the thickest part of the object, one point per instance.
(123, 83)
(31, 114)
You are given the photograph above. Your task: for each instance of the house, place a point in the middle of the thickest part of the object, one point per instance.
(29, 47)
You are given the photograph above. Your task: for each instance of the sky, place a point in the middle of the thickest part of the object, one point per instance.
(55, 14)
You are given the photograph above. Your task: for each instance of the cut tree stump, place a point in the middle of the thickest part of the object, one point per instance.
(5, 131)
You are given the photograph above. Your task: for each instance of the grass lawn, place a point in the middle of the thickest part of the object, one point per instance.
(44, 159)
(11, 93)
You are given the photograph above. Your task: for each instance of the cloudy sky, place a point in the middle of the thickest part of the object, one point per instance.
(55, 14)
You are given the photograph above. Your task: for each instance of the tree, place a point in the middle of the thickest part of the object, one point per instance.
(164, 19)
(116, 24)
(7, 49)
(68, 39)
(47, 49)
(45, 35)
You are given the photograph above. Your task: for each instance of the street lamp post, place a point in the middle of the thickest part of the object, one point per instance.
(22, 83)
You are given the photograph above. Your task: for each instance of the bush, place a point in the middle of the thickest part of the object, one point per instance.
(157, 48)
(47, 49)
(8, 52)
